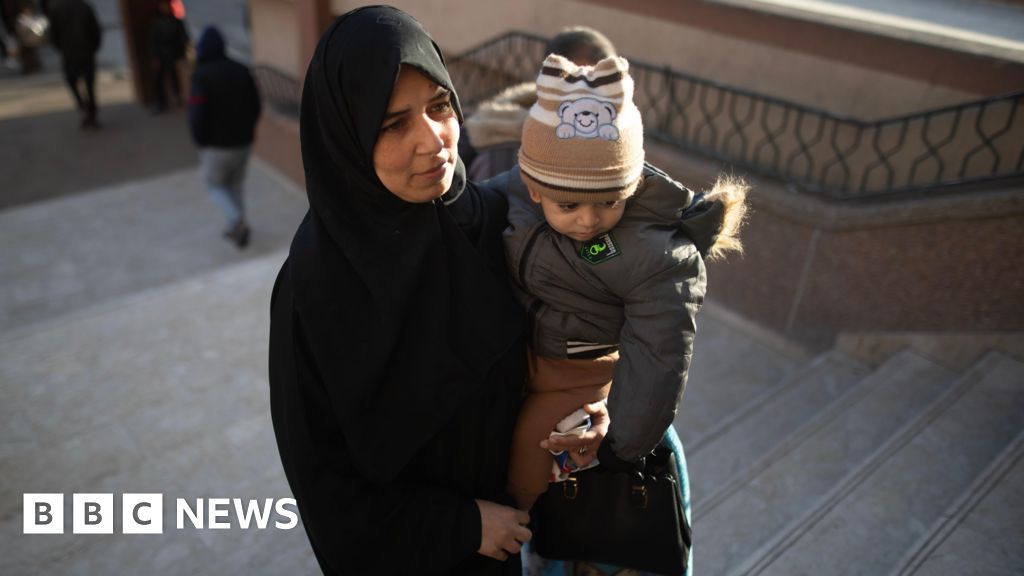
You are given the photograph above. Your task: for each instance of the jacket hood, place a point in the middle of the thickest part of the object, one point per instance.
(210, 46)
(501, 118)
(712, 220)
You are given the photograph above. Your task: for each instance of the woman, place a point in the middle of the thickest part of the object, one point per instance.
(396, 350)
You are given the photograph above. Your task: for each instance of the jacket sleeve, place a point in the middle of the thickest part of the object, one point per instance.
(198, 110)
(355, 526)
(655, 347)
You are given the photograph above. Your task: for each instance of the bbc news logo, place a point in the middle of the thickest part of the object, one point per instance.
(144, 513)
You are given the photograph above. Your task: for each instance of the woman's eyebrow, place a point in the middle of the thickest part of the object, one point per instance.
(440, 94)
(395, 114)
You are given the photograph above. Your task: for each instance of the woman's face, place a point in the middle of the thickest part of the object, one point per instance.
(417, 147)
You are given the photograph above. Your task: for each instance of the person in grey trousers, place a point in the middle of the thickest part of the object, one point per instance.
(223, 108)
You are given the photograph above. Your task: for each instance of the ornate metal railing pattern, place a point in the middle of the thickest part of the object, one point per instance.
(810, 149)
(281, 91)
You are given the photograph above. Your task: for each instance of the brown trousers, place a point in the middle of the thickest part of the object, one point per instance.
(558, 386)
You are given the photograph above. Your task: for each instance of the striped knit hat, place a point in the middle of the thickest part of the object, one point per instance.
(583, 140)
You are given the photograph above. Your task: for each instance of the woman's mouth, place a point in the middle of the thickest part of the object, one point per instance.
(435, 173)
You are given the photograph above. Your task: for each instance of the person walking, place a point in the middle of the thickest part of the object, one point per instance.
(168, 42)
(223, 108)
(76, 34)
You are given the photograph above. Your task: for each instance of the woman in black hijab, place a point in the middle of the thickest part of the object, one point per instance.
(396, 350)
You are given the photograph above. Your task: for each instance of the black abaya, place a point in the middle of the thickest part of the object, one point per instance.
(396, 352)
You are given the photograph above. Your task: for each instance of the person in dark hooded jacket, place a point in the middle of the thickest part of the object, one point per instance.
(223, 108)
(76, 34)
(606, 252)
(168, 43)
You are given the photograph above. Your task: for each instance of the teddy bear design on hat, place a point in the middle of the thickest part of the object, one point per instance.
(583, 140)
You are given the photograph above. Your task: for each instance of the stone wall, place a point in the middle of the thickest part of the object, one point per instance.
(814, 268)
(843, 71)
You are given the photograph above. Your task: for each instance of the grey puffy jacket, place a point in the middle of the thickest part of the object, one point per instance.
(640, 288)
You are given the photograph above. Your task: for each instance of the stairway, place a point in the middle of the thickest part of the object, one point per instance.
(840, 469)
(133, 359)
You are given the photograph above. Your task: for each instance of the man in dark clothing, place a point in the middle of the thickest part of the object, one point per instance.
(223, 107)
(76, 34)
(168, 40)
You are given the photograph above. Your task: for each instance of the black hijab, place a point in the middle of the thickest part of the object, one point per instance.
(402, 314)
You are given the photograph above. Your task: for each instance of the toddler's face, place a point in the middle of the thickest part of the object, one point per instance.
(580, 221)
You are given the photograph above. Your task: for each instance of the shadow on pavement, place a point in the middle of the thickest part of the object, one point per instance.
(47, 156)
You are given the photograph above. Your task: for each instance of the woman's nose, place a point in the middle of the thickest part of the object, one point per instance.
(430, 137)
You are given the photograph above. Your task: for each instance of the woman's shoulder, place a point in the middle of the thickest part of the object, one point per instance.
(490, 194)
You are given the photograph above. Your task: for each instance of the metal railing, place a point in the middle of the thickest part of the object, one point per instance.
(281, 91)
(810, 149)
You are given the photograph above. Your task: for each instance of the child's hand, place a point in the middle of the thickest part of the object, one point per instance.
(583, 449)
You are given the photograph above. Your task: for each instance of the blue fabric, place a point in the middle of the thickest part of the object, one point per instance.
(223, 172)
(535, 565)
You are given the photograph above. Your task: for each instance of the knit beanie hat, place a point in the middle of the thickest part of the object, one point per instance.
(583, 140)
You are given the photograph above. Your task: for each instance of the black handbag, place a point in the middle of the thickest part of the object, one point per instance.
(630, 519)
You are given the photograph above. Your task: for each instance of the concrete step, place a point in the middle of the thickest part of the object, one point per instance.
(867, 523)
(72, 252)
(164, 391)
(779, 488)
(733, 361)
(981, 534)
(746, 436)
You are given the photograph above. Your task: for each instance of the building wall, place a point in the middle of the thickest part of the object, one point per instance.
(812, 268)
(860, 76)
(275, 35)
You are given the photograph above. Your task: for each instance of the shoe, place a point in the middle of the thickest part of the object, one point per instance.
(243, 237)
(239, 234)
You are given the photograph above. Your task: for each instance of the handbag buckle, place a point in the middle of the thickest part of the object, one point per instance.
(571, 488)
(639, 496)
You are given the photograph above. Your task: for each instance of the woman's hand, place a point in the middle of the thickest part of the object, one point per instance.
(583, 449)
(503, 530)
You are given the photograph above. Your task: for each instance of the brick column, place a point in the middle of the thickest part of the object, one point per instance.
(313, 17)
(135, 18)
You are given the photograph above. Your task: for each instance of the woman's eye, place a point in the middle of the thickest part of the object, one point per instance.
(442, 107)
(394, 126)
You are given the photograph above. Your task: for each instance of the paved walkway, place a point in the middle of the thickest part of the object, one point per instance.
(132, 337)
(133, 359)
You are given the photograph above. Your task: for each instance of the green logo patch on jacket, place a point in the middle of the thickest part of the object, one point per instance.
(600, 249)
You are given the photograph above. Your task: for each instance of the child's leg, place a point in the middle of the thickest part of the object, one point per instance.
(558, 387)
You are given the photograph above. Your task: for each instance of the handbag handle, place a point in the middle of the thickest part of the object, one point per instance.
(638, 490)
(571, 488)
